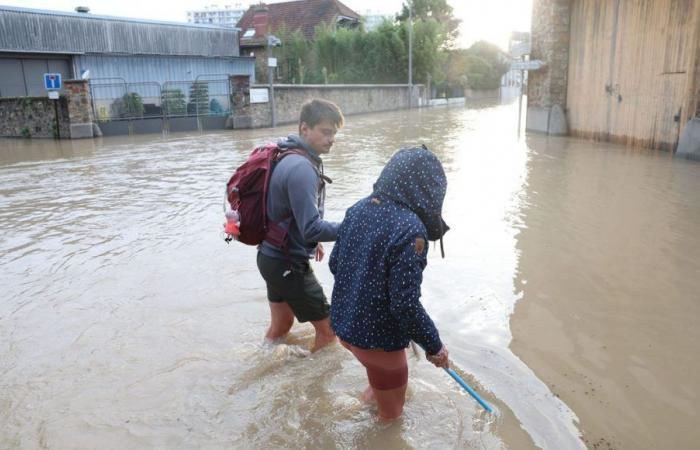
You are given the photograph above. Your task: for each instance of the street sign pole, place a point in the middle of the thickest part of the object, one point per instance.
(524, 66)
(271, 64)
(520, 102)
(52, 83)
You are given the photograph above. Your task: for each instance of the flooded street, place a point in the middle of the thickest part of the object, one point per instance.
(569, 296)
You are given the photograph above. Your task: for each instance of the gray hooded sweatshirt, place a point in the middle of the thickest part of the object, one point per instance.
(295, 200)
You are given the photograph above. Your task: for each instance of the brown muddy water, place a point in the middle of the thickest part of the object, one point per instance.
(569, 297)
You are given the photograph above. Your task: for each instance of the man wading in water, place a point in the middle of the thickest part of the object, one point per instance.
(295, 201)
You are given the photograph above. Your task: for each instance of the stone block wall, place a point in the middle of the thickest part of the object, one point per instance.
(79, 108)
(33, 117)
(352, 99)
(550, 43)
(547, 87)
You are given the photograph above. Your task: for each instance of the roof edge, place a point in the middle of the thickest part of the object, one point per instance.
(48, 12)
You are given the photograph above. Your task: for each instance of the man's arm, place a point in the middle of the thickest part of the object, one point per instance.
(302, 189)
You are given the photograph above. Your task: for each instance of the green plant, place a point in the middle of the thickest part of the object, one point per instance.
(199, 99)
(25, 133)
(129, 105)
(173, 102)
(215, 107)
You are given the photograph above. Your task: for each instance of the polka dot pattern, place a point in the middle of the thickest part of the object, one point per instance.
(378, 266)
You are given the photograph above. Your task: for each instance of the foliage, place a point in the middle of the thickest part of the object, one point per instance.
(481, 74)
(25, 133)
(129, 105)
(428, 39)
(493, 55)
(340, 55)
(437, 10)
(479, 67)
(173, 102)
(292, 58)
(215, 107)
(199, 99)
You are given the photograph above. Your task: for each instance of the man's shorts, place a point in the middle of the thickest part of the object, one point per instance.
(294, 282)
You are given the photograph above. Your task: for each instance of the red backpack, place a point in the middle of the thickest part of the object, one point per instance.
(246, 193)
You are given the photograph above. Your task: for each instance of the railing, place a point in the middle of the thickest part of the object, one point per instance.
(115, 99)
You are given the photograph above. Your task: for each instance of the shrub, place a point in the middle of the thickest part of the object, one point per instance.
(173, 102)
(129, 105)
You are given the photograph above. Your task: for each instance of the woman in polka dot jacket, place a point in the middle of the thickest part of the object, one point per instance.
(378, 263)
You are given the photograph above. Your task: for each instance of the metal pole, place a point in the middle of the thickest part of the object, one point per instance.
(58, 125)
(410, 55)
(271, 71)
(520, 101)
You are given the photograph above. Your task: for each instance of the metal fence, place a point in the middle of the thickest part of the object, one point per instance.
(114, 99)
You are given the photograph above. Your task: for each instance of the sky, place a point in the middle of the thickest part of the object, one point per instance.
(491, 20)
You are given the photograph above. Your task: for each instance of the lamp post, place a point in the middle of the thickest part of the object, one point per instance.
(272, 41)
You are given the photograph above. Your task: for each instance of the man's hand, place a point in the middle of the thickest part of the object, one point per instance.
(320, 253)
(440, 359)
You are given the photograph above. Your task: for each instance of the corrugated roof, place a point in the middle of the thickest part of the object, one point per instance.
(302, 15)
(40, 31)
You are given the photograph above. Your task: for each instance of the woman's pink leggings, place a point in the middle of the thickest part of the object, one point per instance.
(385, 370)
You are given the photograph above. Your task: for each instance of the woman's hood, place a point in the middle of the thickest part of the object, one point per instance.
(415, 178)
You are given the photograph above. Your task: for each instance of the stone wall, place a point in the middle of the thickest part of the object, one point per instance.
(79, 108)
(481, 94)
(352, 99)
(33, 117)
(547, 87)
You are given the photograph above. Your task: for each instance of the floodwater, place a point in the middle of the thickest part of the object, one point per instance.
(568, 296)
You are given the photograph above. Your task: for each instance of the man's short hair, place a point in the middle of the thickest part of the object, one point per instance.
(317, 110)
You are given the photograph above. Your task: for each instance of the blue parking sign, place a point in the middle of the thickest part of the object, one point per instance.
(52, 81)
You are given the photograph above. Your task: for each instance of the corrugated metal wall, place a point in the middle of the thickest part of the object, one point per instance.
(51, 32)
(161, 68)
(632, 69)
(24, 76)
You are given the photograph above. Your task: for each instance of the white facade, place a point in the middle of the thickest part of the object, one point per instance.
(226, 15)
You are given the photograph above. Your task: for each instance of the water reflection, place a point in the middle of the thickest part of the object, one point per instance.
(609, 274)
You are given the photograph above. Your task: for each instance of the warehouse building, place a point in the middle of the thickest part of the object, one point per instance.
(122, 58)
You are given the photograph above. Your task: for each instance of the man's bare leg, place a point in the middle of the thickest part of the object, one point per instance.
(281, 321)
(324, 334)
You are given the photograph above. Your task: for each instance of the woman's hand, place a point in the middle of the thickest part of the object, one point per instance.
(440, 359)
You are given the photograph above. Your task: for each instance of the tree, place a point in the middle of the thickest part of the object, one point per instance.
(292, 56)
(129, 105)
(492, 55)
(437, 10)
(199, 98)
(173, 102)
(479, 67)
(428, 58)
